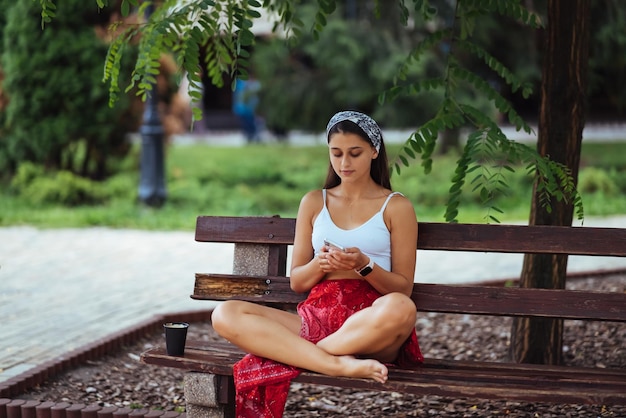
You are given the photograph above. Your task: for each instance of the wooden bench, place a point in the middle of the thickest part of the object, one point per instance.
(260, 275)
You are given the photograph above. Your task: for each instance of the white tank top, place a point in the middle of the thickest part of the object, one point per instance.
(372, 237)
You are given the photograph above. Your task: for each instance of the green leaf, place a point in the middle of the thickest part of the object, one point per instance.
(125, 8)
(254, 14)
(451, 216)
(456, 187)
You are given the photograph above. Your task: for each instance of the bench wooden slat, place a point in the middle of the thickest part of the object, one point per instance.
(248, 230)
(522, 239)
(264, 289)
(515, 301)
(435, 236)
(486, 300)
(521, 382)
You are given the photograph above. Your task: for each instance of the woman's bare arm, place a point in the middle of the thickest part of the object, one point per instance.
(305, 269)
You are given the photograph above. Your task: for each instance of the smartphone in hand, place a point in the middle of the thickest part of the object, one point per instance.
(330, 243)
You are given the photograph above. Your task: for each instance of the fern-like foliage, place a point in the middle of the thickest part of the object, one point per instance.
(48, 8)
(286, 19)
(221, 29)
(488, 155)
(48, 11)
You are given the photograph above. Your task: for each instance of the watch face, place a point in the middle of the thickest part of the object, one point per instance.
(366, 270)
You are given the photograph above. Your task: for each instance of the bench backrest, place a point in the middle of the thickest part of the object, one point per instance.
(436, 236)
(276, 234)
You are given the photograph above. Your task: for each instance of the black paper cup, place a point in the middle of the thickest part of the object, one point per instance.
(175, 337)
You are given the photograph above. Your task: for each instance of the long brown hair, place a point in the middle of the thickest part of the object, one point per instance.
(379, 171)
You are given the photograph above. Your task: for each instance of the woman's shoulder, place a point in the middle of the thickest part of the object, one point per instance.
(312, 196)
(312, 201)
(399, 204)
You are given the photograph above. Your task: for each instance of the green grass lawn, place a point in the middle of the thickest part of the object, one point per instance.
(271, 179)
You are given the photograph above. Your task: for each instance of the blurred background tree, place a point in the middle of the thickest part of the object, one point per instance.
(347, 67)
(348, 64)
(607, 61)
(56, 114)
(358, 54)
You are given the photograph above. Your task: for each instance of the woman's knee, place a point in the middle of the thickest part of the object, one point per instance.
(224, 316)
(397, 309)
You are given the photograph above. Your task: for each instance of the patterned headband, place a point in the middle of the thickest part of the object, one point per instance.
(367, 124)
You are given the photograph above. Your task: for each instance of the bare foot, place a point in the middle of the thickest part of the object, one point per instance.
(366, 368)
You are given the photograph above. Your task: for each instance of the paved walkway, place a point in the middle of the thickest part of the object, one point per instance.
(63, 288)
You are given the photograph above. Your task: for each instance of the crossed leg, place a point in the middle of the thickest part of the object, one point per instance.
(377, 332)
(274, 334)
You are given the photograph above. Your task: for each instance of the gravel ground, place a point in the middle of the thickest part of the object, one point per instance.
(121, 380)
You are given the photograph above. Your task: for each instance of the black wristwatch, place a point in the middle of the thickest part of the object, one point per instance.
(364, 271)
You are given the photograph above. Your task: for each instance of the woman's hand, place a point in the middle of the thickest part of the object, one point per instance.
(333, 259)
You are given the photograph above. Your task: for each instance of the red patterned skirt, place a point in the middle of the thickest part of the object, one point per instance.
(262, 385)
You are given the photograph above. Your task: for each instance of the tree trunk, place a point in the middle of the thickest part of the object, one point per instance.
(561, 122)
(450, 140)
